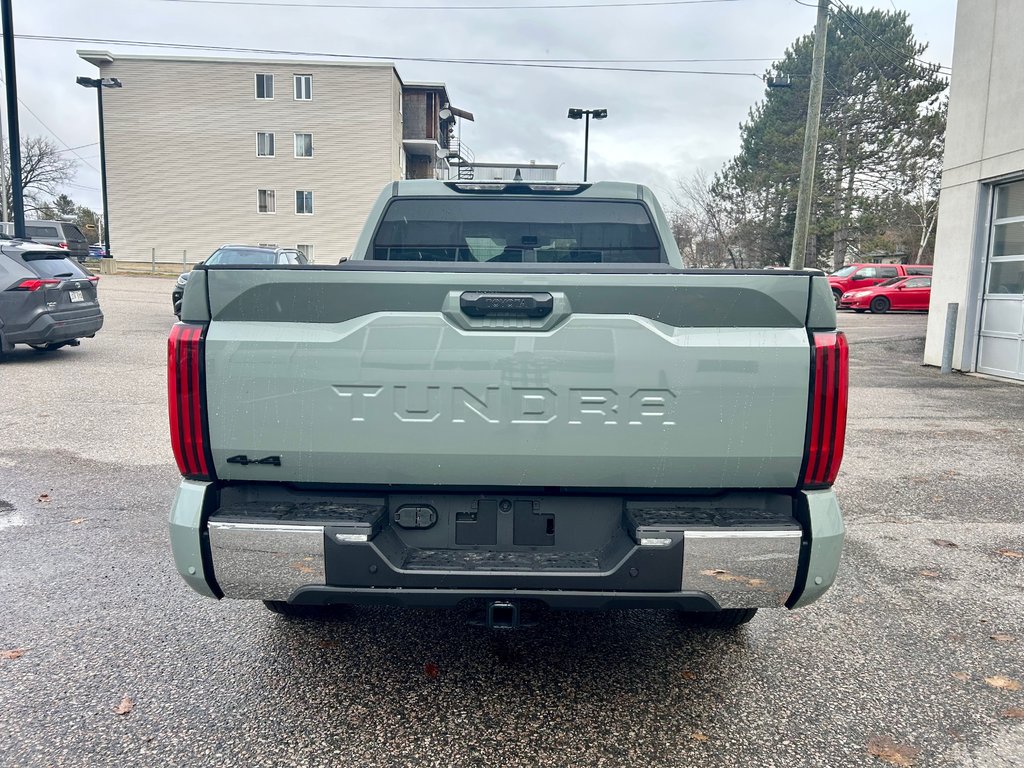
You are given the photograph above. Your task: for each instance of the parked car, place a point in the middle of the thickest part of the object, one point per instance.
(896, 293)
(60, 234)
(47, 301)
(238, 254)
(511, 393)
(864, 275)
(97, 250)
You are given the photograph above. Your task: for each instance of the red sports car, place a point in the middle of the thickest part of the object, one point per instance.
(897, 293)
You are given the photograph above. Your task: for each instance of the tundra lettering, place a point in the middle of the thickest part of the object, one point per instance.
(511, 405)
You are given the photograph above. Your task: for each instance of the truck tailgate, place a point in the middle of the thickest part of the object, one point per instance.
(362, 376)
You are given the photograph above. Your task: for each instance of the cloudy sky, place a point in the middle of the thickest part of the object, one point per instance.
(660, 126)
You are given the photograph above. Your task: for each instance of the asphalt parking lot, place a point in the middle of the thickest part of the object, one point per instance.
(912, 659)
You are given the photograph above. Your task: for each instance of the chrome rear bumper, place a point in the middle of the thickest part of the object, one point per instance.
(725, 567)
(266, 561)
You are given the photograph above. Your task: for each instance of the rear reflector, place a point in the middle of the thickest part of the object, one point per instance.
(827, 423)
(34, 284)
(185, 383)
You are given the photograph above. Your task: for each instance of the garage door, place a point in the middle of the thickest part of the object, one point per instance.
(1001, 346)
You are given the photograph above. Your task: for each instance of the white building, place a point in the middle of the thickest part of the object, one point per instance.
(202, 151)
(979, 251)
(530, 171)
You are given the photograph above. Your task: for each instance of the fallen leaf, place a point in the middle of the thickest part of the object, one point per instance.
(945, 543)
(11, 655)
(999, 681)
(929, 574)
(1010, 553)
(688, 675)
(44, 497)
(1002, 637)
(860, 599)
(889, 751)
(303, 568)
(77, 521)
(698, 736)
(963, 677)
(431, 670)
(1014, 712)
(721, 575)
(126, 706)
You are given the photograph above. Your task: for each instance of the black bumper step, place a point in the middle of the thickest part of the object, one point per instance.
(484, 560)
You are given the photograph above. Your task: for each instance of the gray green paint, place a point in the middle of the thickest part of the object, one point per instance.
(826, 537)
(186, 534)
(404, 397)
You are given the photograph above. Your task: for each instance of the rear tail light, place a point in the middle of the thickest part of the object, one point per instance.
(34, 284)
(63, 245)
(185, 381)
(93, 279)
(827, 421)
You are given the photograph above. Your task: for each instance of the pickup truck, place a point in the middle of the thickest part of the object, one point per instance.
(511, 394)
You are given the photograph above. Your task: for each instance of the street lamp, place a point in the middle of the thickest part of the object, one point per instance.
(99, 83)
(577, 114)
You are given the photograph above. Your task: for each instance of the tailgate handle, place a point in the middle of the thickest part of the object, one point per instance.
(481, 304)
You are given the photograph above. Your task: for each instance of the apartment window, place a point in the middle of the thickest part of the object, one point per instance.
(303, 202)
(306, 249)
(303, 87)
(264, 86)
(264, 144)
(303, 144)
(266, 201)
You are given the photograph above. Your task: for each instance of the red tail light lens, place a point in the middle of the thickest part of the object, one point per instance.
(184, 401)
(63, 245)
(34, 284)
(827, 423)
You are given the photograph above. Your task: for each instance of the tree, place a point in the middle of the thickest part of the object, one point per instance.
(877, 144)
(44, 170)
(701, 226)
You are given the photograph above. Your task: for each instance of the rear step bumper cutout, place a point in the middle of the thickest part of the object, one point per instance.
(674, 552)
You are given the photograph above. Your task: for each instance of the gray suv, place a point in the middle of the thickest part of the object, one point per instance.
(47, 301)
(60, 234)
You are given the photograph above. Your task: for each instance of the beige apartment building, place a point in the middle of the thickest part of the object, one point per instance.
(202, 151)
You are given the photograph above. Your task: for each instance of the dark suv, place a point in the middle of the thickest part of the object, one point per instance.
(239, 254)
(47, 300)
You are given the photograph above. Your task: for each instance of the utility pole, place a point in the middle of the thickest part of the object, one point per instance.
(803, 201)
(3, 177)
(13, 132)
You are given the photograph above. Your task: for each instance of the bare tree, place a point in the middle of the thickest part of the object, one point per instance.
(700, 225)
(44, 170)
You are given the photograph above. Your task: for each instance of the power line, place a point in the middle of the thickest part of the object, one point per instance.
(54, 133)
(378, 6)
(878, 39)
(80, 146)
(839, 5)
(348, 56)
